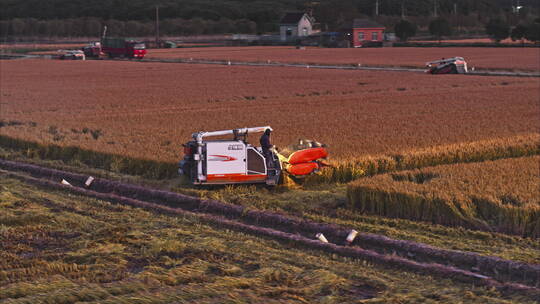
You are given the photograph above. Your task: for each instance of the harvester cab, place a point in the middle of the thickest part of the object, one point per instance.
(235, 161)
(455, 65)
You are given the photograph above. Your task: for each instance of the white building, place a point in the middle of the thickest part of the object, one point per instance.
(295, 25)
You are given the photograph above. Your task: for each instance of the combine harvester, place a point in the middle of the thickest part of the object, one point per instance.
(115, 47)
(455, 65)
(235, 161)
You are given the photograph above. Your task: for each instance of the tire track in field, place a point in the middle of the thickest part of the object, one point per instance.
(276, 226)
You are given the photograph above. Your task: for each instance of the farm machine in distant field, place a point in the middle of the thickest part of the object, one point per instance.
(235, 161)
(115, 47)
(71, 55)
(92, 50)
(455, 65)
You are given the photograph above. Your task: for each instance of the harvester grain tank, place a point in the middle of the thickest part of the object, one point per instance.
(454, 65)
(235, 161)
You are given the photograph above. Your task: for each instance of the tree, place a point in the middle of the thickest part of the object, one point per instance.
(336, 14)
(405, 29)
(440, 27)
(245, 26)
(533, 32)
(518, 32)
(18, 27)
(497, 29)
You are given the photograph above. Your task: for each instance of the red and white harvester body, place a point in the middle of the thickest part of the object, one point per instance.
(455, 65)
(235, 161)
(228, 161)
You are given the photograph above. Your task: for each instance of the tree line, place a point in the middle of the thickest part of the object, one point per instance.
(93, 27)
(497, 28)
(190, 17)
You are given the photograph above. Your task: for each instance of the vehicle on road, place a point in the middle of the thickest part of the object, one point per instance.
(92, 50)
(71, 54)
(455, 65)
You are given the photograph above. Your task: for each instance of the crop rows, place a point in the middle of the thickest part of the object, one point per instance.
(497, 267)
(500, 195)
(493, 149)
(101, 106)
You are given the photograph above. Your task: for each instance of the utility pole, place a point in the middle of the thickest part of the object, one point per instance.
(403, 9)
(157, 26)
(435, 8)
(377, 8)
(455, 9)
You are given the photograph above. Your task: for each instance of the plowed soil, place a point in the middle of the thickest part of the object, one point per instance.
(148, 109)
(480, 58)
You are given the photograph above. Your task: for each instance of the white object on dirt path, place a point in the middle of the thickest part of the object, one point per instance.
(65, 182)
(89, 181)
(321, 237)
(352, 235)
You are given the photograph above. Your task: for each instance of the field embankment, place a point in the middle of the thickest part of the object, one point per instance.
(500, 195)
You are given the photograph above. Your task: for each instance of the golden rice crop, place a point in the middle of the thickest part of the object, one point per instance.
(502, 195)
(491, 149)
(146, 110)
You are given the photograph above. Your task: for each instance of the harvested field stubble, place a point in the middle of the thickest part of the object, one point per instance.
(132, 194)
(354, 112)
(118, 254)
(483, 58)
(500, 195)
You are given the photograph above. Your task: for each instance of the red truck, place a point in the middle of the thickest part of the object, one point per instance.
(122, 47)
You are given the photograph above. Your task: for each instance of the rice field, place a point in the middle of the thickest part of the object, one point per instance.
(526, 59)
(146, 110)
(65, 249)
(502, 195)
(447, 161)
